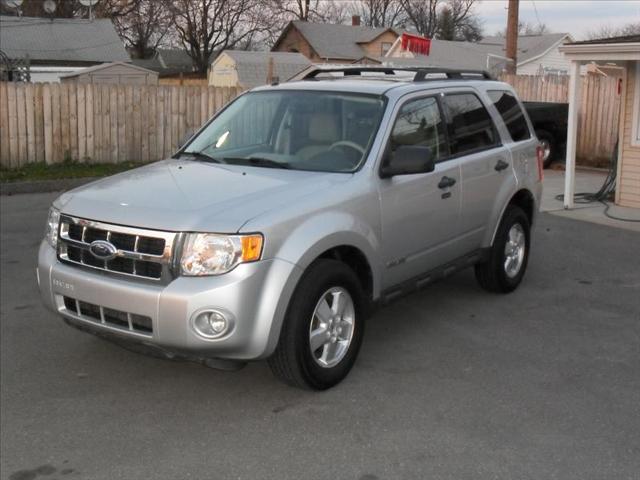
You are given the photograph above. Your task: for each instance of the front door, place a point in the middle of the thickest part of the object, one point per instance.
(420, 212)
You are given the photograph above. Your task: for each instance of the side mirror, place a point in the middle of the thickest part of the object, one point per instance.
(407, 160)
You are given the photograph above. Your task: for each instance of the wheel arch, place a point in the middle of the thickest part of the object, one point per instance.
(524, 199)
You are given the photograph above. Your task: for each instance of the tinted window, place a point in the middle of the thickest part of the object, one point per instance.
(419, 123)
(471, 124)
(511, 113)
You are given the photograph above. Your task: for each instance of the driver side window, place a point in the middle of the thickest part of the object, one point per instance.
(419, 123)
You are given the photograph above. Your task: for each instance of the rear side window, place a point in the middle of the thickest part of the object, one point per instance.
(510, 111)
(471, 125)
(419, 123)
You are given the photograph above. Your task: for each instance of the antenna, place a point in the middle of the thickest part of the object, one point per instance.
(49, 6)
(89, 4)
(14, 4)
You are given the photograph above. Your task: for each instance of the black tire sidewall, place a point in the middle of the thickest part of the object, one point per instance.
(320, 278)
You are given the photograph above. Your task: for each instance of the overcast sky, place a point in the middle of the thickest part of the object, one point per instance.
(576, 17)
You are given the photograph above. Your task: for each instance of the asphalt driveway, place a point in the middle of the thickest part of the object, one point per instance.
(451, 383)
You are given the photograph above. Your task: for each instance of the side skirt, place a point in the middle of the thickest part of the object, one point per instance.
(421, 281)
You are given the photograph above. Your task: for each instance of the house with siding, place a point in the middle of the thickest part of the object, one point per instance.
(57, 46)
(245, 69)
(336, 43)
(623, 52)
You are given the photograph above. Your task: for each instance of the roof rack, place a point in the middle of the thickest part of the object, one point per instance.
(421, 73)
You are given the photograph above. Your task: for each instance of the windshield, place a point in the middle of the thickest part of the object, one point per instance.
(301, 130)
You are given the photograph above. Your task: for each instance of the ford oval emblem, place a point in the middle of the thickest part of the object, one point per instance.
(103, 250)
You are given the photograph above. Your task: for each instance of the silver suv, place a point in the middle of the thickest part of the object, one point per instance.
(273, 231)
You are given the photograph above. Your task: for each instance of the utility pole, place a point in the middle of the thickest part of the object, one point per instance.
(512, 36)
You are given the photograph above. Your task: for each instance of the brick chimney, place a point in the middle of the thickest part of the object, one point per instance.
(355, 20)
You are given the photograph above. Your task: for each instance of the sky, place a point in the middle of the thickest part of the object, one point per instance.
(576, 17)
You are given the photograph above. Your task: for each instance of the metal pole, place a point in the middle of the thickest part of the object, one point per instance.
(575, 83)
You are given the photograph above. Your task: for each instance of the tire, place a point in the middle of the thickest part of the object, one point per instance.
(293, 362)
(493, 274)
(547, 139)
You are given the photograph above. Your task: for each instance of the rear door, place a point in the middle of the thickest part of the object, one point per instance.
(518, 137)
(420, 214)
(485, 163)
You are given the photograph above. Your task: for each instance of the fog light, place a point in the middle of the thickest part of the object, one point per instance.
(210, 324)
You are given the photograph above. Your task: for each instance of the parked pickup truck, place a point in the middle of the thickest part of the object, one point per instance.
(550, 124)
(275, 229)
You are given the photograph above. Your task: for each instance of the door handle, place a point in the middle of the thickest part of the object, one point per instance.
(501, 165)
(446, 182)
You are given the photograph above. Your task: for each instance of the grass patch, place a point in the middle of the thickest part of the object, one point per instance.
(42, 171)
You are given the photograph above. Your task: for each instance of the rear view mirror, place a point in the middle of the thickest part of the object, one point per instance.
(408, 160)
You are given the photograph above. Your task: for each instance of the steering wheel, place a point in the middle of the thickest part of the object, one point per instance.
(347, 143)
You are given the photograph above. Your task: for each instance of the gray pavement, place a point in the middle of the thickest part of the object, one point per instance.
(452, 383)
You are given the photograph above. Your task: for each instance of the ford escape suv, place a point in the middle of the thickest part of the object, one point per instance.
(276, 227)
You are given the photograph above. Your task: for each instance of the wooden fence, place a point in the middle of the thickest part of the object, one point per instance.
(100, 123)
(599, 111)
(115, 123)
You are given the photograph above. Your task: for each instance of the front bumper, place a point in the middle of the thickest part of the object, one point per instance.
(253, 295)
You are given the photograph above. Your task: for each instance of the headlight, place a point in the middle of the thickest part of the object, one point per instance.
(214, 254)
(53, 221)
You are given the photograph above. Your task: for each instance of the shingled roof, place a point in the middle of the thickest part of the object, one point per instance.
(336, 41)
(69, 40)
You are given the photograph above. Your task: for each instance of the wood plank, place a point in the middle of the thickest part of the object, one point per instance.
(82, 122)
(128, 91)
(137, 123)
(113, 123)
(212, 102)
(56, 121)
(5, 157)
(47, 124)
(39, 119)
(65, 140)
(160, 122)
(152, 115)
(144, 125)
(106, 123)
(22, 124)
(175, 117)
(90, 117)
(204, 104)
(31, 123)
(122, 124)
(97, 124)
(73, 120)
(182, 115)
(167, 121)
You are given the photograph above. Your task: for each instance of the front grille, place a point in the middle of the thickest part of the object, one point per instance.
(140, 253)
(97, 314)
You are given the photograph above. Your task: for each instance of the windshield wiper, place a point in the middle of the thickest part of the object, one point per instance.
(258, 162)
(200, 155)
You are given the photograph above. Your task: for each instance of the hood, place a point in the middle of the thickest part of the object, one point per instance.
(185, 195)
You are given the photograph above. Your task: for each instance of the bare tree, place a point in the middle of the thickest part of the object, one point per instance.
(459, 22)
(379, 13)
(526, 28)
(607, 31)
(141, 24)
(206, 27)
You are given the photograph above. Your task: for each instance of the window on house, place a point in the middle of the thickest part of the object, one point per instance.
(510, 111)
(385, 47)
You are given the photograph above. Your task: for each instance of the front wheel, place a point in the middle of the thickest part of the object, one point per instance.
(504, 268)
(323, 327)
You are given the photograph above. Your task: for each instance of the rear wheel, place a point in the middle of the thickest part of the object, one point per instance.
(323, 328)
(506, 264)
(549, 148)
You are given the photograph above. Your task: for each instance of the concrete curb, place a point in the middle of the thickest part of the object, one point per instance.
(43, 186)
